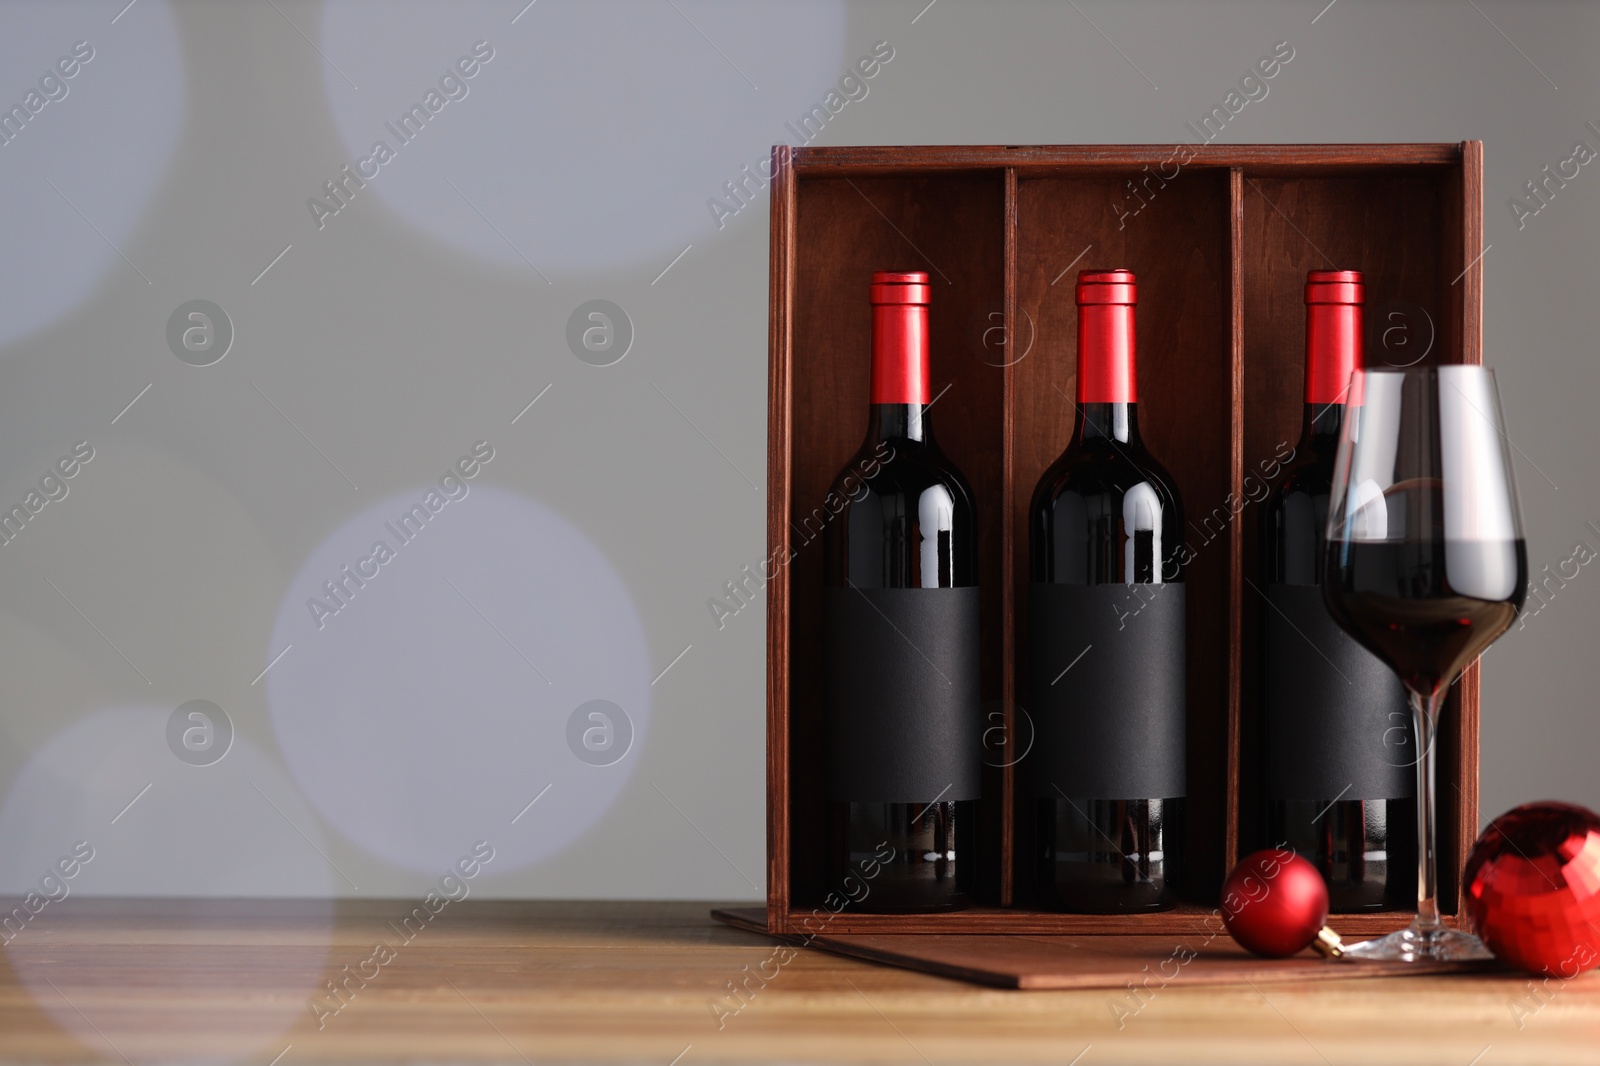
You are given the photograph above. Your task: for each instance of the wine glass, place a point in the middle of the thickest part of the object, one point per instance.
(1426, 567)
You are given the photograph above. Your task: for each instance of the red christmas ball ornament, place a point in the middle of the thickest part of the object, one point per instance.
(1533, 888)
(1274, 903)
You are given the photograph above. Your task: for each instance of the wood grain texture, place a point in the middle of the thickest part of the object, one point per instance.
(1465, 756)
(1459, 761)
(1201, 954)
(1174, 237)
(1022, 920)
(1236, 597)
(949, 225)
(1260, 158)
(1010, 855)
(1470, 251)
(1397, 230)
(780, 462)
(636, 982)
(1221, 251)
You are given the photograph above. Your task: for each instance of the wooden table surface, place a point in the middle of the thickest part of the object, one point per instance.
(138, 981)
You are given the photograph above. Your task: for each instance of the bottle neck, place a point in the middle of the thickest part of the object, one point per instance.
(898, 421)
(900, 375)
(1114, 422)
(1319, 428)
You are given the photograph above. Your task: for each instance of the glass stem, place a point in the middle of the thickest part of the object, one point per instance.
(1425, 715)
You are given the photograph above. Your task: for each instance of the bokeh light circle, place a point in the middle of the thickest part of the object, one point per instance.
(125, 101)
(594, 136)
(106, 802)
(430, 707)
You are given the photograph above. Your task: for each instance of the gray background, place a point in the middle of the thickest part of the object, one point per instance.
(428, 312)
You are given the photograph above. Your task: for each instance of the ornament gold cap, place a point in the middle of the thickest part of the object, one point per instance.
(1327, 944)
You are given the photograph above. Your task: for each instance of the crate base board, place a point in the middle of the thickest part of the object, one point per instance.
(1185, 919)
(1061, 962)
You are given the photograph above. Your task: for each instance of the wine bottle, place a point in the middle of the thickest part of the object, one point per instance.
(901, 633)
(1106, 658)
(1339, 753)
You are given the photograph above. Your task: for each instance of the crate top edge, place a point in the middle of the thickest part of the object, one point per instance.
(832, 160)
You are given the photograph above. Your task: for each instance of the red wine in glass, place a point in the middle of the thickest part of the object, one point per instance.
(1411, 602)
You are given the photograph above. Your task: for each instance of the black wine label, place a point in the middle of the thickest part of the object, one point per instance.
(1336, 718)
(903, 703)
(1106, 691)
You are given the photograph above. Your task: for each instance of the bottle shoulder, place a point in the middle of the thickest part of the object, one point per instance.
(1105, 514)
(900, 516)
(1102, 467)
(1293, 516)
(899, 467)
(1307, 473)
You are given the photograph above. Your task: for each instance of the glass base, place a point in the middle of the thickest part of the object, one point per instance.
(1417, 944)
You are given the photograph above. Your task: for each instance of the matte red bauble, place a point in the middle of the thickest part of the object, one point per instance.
(1274, 903)
(1533, 888)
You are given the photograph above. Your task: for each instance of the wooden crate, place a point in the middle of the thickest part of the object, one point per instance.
(1220, 244)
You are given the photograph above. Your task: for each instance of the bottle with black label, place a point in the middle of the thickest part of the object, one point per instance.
(901, 639)
(1340, 760)
(1106, 680)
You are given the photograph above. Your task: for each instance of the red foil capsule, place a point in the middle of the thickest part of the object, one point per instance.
(1333, 333)
(1106, 300)
(900, 336)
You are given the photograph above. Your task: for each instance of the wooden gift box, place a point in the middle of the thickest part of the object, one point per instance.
(1220, 244)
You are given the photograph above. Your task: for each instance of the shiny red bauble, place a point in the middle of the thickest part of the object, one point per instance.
(1533, 888)
(1274, 902)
